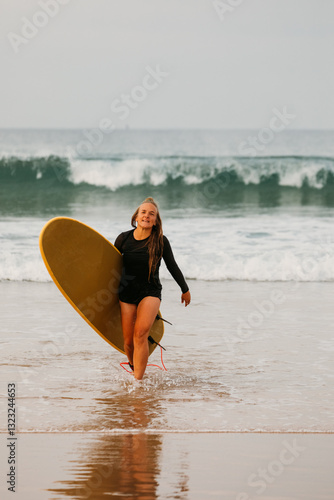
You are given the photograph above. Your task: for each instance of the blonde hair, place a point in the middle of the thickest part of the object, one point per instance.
(155, 241)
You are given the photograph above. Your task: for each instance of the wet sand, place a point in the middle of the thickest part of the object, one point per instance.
(190, 466)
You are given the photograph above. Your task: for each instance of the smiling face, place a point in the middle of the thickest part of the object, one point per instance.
(147, 216)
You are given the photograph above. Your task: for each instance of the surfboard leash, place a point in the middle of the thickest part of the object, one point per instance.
(151, 339)
(126, 364)
(162, 361)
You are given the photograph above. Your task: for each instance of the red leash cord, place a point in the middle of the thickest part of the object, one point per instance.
(162, 361)
(126, 363)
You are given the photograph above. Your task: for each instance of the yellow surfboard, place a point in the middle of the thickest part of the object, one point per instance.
(87, 268)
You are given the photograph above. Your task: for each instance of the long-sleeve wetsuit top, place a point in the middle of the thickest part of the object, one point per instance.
(136, 264)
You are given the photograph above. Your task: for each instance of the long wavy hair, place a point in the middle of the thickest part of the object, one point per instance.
(155, 241)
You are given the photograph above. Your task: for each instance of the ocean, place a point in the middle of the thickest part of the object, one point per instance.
(229, 217)
(250, 222)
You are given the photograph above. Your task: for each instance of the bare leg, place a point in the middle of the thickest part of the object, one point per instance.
(128, 314)
(146, 313)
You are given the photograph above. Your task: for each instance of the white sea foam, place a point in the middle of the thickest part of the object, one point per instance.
(266, 248)
(126, 170)
(290, 172)
(112, 174)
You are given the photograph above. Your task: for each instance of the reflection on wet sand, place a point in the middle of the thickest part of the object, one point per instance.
(134, 410)
(125, 465)
(122, 464)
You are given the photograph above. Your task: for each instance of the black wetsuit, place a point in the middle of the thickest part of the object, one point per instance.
(134, 284)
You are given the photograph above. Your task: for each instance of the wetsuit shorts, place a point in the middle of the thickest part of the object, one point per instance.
(136, 292)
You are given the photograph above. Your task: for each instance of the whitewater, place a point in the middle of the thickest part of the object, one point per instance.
(257, 247)
(228, 217)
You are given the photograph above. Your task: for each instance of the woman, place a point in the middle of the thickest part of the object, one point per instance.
(140, 287)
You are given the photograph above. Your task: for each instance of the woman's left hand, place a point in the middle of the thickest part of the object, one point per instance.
(186, 298)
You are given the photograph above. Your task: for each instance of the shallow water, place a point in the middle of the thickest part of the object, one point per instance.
(236, 361)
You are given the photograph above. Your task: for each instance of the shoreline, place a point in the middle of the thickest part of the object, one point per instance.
(122, 432)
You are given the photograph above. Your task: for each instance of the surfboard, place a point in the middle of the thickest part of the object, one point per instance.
(87, 269)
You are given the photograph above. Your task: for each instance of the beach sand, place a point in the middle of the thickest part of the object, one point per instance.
(195, 466)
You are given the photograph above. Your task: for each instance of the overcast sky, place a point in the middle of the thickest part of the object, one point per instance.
(169, 64)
